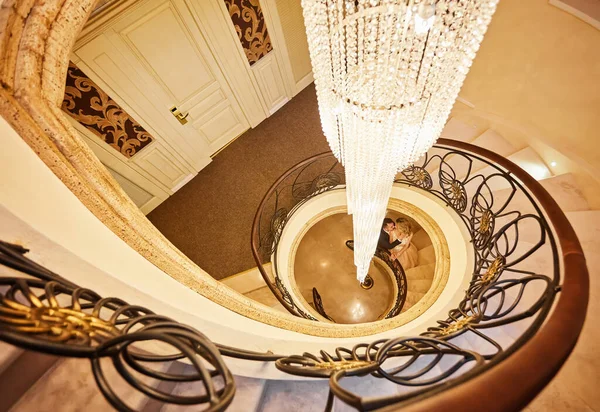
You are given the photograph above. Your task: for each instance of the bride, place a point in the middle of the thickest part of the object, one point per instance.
(406, 253)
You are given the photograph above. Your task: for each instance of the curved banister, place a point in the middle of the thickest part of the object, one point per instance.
(508, 385)
(303, 181)
(399, 277)
(256, 235)
(516, 380)
(528, 367)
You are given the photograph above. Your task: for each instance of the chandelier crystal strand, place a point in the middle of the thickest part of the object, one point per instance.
(387, 73)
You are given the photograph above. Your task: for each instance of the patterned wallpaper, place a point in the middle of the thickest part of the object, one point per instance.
(87, 103)
(249, 23)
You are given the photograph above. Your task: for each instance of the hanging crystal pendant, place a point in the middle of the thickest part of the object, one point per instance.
(387, 73)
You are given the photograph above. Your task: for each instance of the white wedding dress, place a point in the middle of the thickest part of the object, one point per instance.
(406, 253)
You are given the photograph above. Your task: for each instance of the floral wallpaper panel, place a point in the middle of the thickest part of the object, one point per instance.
(87, 103)
(249, 23)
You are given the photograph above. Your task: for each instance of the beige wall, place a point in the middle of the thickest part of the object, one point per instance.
(292, 22)
(538, 70)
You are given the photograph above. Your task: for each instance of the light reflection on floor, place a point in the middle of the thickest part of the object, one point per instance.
(323, 261)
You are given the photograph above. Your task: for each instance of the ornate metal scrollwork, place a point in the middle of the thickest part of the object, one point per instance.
(318, 302)
(43, 311)
(418, 176)
(507, 286)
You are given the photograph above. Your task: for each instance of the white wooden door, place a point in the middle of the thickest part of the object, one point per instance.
(162, 46)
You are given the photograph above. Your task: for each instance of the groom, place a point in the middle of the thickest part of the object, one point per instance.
(384, 236)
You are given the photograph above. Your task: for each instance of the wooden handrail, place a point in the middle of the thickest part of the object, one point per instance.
(515, 381)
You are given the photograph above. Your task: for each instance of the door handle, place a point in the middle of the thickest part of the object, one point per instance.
(178, 115)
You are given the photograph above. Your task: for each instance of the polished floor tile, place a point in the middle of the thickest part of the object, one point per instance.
(323, 261)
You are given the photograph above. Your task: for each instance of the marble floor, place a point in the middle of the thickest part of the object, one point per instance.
(323, 261)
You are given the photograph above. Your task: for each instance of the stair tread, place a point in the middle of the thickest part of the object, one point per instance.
(490, 140)
(426, 255)
(421, 239)
(563, 188)
(526, 158)
(248, 394)
(418, 286)
(459, 130)
(248, 280)
(413, 297)
(587, 225)
(421, 272)
(264, 296)
(294, 395)
(494, 141)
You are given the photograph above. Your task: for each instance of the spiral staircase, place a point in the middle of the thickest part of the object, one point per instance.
(420, 277)
(68, 384)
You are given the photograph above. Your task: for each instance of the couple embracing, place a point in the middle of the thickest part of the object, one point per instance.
(395, 237)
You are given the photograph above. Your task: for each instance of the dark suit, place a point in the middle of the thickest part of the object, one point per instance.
(384, 241)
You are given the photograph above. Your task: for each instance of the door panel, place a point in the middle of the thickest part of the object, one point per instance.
(143, 191)
(107, 67)
(169, 53)
(270, 81)
(164, 44)
(164, 168)
(222, 121)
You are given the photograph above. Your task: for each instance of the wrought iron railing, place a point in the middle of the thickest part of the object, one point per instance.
(501, 339)
(318, 302)
(304, 181)
(399, 278)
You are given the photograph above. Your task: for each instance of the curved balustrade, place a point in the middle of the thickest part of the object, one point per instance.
(302, 182)
(501, 342)
(399, 278)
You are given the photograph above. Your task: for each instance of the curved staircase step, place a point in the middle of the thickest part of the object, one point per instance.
(419, 285)
(587, 226)
(248, 280)
(563, 188)
(248, 393)
(420, 272)
(526, 158)
(459, 130)
(8, 354)
(426, 255)
(421, 239)
(490, 140)
(264, 296)
(70, 386)
(300, 395)
(413, 297)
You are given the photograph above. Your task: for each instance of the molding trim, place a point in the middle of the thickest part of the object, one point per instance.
(304, 83)
(277, 37)
(571, 8)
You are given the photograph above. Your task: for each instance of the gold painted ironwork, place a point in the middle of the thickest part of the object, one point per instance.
(367, 283)
(456, 326)
(492, 270)
(420, 177)
(178, 115)
(456, 189)
(342, 364)
(56, 323)
(486, 222)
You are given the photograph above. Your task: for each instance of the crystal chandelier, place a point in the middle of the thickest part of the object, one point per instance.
(387, 73)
